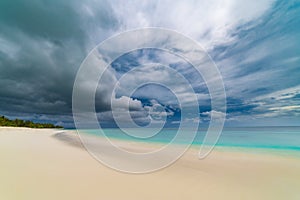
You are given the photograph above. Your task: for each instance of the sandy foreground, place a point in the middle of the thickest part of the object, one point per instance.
(41, 164)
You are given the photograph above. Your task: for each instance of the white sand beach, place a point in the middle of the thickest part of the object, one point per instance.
(37, 164)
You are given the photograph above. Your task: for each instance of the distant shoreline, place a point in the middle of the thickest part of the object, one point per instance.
(4, 121)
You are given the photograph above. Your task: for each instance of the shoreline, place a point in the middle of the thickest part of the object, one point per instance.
(283, 151)
(37, 165)
(74, 140)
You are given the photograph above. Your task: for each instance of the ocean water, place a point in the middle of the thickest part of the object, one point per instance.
(287, 138)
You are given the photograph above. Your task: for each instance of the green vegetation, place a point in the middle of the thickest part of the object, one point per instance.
(21, 123)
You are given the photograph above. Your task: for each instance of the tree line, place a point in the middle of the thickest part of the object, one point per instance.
(25, 123)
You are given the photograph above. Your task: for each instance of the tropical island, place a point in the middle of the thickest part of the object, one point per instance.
(25, 123)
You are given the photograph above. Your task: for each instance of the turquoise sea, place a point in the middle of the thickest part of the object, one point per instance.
(284, 138)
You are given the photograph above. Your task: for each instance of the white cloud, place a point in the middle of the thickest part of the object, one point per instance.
(277, 104)
(211, 22)
(281, 94)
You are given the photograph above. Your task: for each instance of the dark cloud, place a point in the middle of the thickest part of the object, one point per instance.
(42, 46)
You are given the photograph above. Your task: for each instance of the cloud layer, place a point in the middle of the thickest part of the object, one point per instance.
(254, 44)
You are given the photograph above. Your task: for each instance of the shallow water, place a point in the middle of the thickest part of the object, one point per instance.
(251, 137)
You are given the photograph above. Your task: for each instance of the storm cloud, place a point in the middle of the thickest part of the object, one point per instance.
(254, 44)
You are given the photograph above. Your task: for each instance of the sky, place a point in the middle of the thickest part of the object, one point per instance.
(254, 44)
